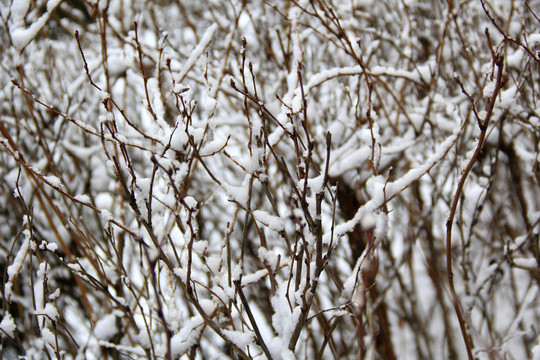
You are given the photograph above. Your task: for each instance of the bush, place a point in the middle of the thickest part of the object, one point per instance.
(279, 179)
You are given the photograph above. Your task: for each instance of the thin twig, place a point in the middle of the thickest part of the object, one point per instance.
(483, 129)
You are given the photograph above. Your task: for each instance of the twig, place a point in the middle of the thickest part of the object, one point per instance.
(260, 340)
(483, 129)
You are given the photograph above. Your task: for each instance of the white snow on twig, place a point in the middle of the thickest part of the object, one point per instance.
(20, 35)
(17, 264)
(8, 325)
(526, 263)
(83, 198)
(273, 222)
(106, 327)
(197, 52)
(239, 338)
(383, 191)
(325, 75)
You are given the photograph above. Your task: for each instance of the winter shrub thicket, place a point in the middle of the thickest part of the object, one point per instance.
(282, 179)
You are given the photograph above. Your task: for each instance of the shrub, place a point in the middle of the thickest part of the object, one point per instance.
(277, 179)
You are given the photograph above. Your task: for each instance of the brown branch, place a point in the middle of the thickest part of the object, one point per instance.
(483, 130)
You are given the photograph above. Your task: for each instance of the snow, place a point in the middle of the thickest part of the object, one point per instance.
(269, 256)
(351, 283)
(248, 279)
(482, 115)
(191, 202)
(179, 139)
(197, 52)
(49, 246)
(106, 328)
(104, 96)
(487, 273)
(425, 72)
(198, 135)
(412, 175)
(54, 295)
(359, 298)
(144, 184)
(351, 160)
(53, 181)
(536, 351)
(106, 215)
(237, 193)
(507, 97)
(274, 223)
(81, 152)
(368, 222)
(19, 8)
(236, 273)
(278, 349)
(141, 196)
(21, 37)
(49, 311)
(208, 104)
(294, 18)
(7, 325)
(515, 58)
(527, 263)
(17, 263)
(48, 337)
(186, 337)
(180, 88)
(316, 184)
(208, 306)
(181, 274)
(155, 101)
(325, 75)
(214, 146)
(382, 190)
(489, 89)
(283, 320)
(239, 338)
(200, 246)
(117, 65)
(85, 199)
(529, 298)
(389, 71)
(534, 39)
(399, 146)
